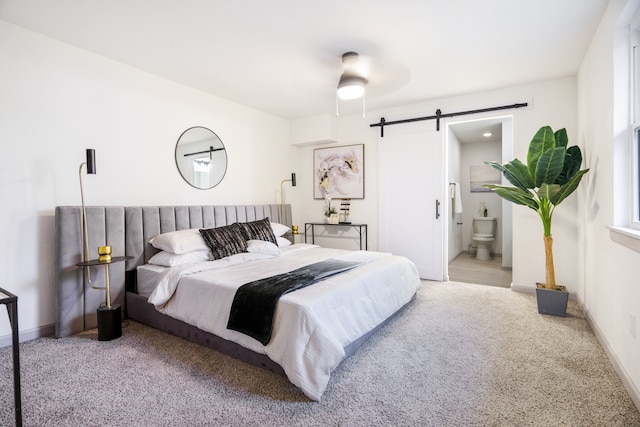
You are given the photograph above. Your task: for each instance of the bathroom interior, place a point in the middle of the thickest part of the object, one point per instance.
(479, 232)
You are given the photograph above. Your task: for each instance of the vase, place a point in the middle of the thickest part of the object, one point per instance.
(551, 301)
(333, 219)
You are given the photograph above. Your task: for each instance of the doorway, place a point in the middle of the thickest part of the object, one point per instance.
(470, 144)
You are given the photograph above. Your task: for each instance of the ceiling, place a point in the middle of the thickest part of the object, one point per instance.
(283, 57)
(474, 130)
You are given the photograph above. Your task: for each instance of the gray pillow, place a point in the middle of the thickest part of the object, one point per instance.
(224, 241)
(258, 230)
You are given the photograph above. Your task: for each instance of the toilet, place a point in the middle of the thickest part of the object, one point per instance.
(484, 232)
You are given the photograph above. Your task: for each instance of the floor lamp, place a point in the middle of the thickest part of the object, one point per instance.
(293, 184)
(109, 316)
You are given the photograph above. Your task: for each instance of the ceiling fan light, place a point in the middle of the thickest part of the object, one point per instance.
(351, 87)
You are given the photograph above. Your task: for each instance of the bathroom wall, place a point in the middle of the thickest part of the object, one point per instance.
(455, 231)
(476, 154)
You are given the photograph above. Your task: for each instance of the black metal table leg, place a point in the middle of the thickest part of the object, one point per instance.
(11, 303)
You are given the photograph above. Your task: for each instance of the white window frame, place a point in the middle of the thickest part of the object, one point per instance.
(634, 137)
(628, 234)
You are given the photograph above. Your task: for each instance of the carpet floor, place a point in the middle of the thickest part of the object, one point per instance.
(460, 355)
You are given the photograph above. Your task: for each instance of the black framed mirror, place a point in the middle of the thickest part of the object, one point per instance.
(201, 157)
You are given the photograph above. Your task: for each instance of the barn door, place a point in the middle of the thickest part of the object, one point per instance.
(411, 159)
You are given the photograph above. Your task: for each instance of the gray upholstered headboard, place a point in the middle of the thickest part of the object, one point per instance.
(128, 230)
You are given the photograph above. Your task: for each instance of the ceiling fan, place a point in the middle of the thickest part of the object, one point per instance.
(352, 82)
(364, 74)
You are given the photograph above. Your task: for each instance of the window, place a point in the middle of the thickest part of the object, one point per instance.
(635, 118)
(627, 164)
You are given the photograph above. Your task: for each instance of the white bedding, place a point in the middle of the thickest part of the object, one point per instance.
(148, 276)
(312, 325)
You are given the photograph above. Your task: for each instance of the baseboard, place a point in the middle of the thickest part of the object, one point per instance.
(520, 288)
(531, 290)
(633, 391)
(31, 334)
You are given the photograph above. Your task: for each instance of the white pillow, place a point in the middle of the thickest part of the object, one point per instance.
(168, 259)
(262, 247)
(180, 242)
(279, 229)
(282, 242)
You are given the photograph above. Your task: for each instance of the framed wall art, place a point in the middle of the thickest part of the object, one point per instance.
(338, 172)
(483, 174)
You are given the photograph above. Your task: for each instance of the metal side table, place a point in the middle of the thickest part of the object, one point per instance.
(11, 301)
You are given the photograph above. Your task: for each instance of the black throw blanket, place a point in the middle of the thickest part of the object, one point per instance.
(254, 304)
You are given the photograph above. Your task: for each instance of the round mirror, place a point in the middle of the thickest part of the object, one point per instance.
(201, 157)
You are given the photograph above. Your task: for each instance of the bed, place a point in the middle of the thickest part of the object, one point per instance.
(313, 328)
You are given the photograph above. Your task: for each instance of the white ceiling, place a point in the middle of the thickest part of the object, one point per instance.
(284, 56)
(473, 130)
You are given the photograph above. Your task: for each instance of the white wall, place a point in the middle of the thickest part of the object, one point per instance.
(58, 100)
(608, 271)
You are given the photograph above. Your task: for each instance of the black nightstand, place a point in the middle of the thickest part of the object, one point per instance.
(109, 316)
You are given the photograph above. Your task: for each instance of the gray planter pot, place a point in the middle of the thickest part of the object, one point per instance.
(552, 302)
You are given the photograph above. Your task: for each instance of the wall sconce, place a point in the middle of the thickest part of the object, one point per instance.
(91, 169)
(293, 184)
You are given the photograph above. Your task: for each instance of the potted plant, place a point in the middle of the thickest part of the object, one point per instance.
(551, 174)
(330, 211)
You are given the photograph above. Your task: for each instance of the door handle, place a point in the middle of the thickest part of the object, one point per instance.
(437, 208)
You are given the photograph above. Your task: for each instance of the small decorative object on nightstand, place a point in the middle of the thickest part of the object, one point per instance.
(105, 253)
(345, 205)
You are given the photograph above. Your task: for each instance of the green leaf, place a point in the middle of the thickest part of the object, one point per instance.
(550, 165)
(572, 162)
(562, 140)
(515, 172)
(568, 188)
(515, 195)
(541, 142)
(548, 191)
(520, 173)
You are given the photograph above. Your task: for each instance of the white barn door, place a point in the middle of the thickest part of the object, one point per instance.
(411, 208)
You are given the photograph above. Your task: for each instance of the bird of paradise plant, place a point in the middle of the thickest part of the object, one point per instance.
(551, 174)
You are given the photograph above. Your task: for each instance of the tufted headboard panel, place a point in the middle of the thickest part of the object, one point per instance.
(128, 230)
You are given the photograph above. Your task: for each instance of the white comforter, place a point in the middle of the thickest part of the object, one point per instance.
(312, 325)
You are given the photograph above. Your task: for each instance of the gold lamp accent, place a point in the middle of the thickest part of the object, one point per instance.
(105, 253)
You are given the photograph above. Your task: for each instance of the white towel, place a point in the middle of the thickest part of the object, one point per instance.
(457, 200)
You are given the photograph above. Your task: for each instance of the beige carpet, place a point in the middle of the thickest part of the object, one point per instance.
(460, 355)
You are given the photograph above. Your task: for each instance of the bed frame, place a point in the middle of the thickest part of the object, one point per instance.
(128, 230)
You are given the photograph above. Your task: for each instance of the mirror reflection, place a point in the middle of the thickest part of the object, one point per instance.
(201, 157)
